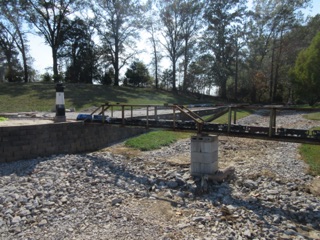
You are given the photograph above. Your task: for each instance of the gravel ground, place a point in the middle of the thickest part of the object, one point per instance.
(120, 193)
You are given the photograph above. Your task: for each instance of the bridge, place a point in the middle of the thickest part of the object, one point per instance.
(184, 119)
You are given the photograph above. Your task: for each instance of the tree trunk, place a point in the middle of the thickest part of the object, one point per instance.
(271, 94)
(224, 88)
(174, 88)
(185, 66)
(24, 58)
(25, 66)
(116, 63)
(236, 74)
(275, 85)
(55, 65)
(155, 61)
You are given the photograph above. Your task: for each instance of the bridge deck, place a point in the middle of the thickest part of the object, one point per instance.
(196, 123)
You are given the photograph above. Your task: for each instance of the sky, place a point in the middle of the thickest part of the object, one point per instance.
(41, 53)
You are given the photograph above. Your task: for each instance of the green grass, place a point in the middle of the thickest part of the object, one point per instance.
(15, 97)
(311, 155)
(224, 118)
(3, 119)
(155, 140)
(313, 116)
(158, 139)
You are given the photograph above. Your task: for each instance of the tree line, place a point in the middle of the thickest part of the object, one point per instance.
(249, 53)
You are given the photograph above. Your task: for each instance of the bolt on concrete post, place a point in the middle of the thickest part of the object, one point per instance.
(60, 109)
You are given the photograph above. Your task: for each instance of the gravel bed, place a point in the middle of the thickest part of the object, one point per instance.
(117, 193)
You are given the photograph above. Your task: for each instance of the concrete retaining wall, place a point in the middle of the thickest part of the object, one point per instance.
(26, 142)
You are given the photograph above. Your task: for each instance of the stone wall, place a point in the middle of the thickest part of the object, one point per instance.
(26, 142)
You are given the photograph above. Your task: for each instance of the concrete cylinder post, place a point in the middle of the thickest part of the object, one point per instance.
(60, 109)
(204, 155)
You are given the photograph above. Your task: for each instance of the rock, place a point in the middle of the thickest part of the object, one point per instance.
(116, 201)
(250, 184)
(172, 184)
(181, 194)
(315, 186)
(183, 225)
(276, 218)
(314, 234)
(168, 194)
(200, 219)
(247, 233)
(24, 212)
(223, 175)
(273, 192)
(15, 220)
(42, 222)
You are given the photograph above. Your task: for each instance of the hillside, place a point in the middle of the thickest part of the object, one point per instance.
(41, 97)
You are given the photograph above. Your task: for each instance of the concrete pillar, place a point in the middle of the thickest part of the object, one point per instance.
(204, 155)
(60, 109)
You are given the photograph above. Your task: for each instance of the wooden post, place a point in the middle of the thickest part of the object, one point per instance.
(102, 110)
(229, 119)
(156, 113)
(122, 110)
(174, 117)
(272, 123)
(147, 116)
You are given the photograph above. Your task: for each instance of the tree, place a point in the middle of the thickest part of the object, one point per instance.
(138, 74)
(153, 27)
(11, 66)
(172, 21)
(11, 22)
(271, 21)
(218, 40)
(199, 74)
(50, 18)
(166, 79)
(81, 52)
(118, 25)
(306, 72)
(191, 18)
(108, 77)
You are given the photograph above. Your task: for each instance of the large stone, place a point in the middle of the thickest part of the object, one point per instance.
(315, 186)
(15, 220)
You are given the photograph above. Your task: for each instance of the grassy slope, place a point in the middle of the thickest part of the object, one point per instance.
(224, 118)
(156, 139)
(41, 97)
(311, 153)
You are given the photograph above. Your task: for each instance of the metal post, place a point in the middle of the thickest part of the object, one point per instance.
(60, 109)
(235, 116)
(112, 111)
